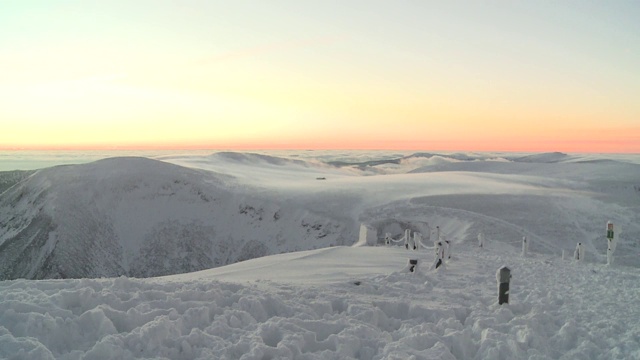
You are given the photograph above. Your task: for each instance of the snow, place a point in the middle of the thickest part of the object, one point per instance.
(341, 302)
(302, 294)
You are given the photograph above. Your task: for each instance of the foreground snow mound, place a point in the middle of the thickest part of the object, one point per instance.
(358, 310)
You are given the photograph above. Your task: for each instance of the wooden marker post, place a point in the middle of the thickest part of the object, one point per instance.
(503, 276)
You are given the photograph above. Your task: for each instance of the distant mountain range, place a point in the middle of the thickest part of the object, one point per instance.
(140, 217)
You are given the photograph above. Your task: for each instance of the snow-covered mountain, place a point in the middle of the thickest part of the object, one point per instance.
(142, 217)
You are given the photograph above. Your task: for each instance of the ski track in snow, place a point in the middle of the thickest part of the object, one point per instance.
(558, 310)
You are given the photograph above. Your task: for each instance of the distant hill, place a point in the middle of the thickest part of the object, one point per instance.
(140, 217)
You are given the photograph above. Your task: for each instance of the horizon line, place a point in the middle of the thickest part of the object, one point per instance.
(254, 148)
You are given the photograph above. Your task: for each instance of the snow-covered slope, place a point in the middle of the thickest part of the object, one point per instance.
(142, 217)
(10, 178)
(334, 303)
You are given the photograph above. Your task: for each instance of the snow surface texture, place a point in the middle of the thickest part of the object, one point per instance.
(334, 303)
(142, 217)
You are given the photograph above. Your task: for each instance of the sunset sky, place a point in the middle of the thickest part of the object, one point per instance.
(406, 75)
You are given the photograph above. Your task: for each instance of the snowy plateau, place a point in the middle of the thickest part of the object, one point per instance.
(256, 256)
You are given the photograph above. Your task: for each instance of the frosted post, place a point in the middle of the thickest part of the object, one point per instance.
(481, 239)
(525, 246)
(417, 239)
(447, 249)
(503, 276)
(611, 243)
(579, 253)
(407, 238)
(439, 254)
(437, 233)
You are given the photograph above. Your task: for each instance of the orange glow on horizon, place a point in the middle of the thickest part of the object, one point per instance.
(611, 144)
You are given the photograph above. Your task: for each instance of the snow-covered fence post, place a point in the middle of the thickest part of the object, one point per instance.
(417, 239)
(503, 276)
(579, 253)
(611, 243)
(413, 265)
(439, 254)
(407, 238)
(437, 233)
(481, 239)
(525, 246)
(447, 249)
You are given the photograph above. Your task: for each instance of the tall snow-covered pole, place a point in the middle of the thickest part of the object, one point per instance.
(417, 239)
(447, 249)
(481, 239)
(407, 238)
(579, 253)
(525, 246)
(439, 254)
(611, 243)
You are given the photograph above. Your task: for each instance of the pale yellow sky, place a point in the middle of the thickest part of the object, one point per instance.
(428, 75)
